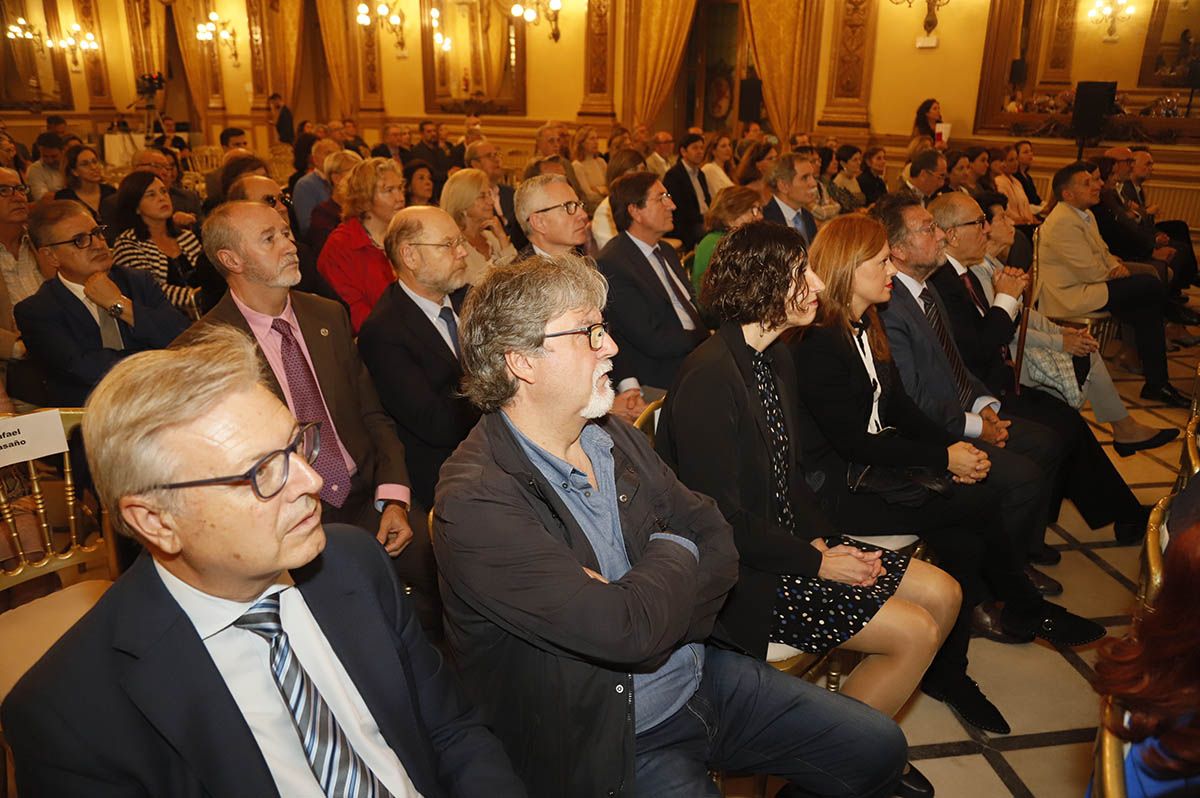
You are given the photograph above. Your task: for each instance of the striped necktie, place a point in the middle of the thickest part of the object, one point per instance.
(959, 369)
(338, 769)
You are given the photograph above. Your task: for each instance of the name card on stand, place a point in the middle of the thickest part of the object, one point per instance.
(31, 436)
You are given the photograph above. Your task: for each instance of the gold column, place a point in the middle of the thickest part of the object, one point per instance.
(849, 91)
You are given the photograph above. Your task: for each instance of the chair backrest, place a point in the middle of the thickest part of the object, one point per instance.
(1108, 777)
(1150, 579)
(1189, 460)
(58, 531)
(206, 158)
(280, 161)
(648, 420)
(194, 181)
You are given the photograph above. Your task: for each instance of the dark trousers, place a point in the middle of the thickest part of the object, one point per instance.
(1024, 470)
(1138, 300)
(1184, 262)
(747, 717)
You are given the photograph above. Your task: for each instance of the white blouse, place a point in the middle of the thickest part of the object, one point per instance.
(874, 425)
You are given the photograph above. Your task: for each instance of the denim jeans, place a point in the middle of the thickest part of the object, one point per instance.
(748, 717)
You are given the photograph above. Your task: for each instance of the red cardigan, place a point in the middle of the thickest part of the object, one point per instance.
(357, 269)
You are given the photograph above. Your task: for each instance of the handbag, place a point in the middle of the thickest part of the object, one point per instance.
(907, 486)
(1057, 372)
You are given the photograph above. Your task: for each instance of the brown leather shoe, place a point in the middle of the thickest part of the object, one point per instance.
(1046, 585)
(985, 622)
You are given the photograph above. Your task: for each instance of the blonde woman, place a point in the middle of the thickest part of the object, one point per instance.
(467, 197)
(589, 166)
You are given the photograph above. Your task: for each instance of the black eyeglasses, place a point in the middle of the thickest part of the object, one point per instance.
(571, 206)
(8, 191)
(83, 240)
(267, 476)
(453, 243)
(594, 332)
(980, 222)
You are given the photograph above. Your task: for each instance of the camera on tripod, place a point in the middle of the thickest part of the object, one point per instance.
(149, 84)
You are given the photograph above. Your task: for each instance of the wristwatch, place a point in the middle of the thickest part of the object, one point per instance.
(116, 309)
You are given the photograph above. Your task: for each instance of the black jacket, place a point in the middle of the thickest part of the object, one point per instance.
(547, 652)
(511, 225)
(772, 213)
(689, 220)
(979, 338)
(713, 432)
(1129, 237)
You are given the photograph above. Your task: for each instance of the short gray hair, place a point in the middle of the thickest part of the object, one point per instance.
(403, 228)
(220, 230)
(340, 161)
(784, 169)
(508, 312)
(528, 194)
(149, 394)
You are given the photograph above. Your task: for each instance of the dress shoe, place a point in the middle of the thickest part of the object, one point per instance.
(913, 784)
(1160, 438)
(1186, 340)
(1054, 624)
(969, 703)
(985, 622)
(1046, 585)
(1179, 314)
(1167, 394)
(1044, 555)
(1128, 533)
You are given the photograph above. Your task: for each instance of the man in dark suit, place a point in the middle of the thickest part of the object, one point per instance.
(689, 191)
(245, 620)
(927, 175)
(92, 314)
(651, 309)
(793, 182)
(397, 139)
(429, 150)
(486, 156)
(1174, 233)
(409, 343)
(314, 368)
(232, 139)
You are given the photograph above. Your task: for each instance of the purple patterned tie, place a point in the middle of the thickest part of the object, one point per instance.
(307, 402)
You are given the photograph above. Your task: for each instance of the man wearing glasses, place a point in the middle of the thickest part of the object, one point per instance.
(582, 579)
(486, 156)
(92, 313)
(252, 651)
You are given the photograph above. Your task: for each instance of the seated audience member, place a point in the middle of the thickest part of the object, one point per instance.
(552, 216)
(980, 161)
(800, 583)
(995, 170)
(755, 166)
(396, 141)
(1007, 184)
(148, 239)
(352, 141)
(328, 214)
(315, 369)
(651, 309)
(353, 260)
(958, 174)
(661, 153)
(429, 151)
(486, 156)
(256, 188)
(467, 197)
(1172, 233)
(844, 187)
(734, 207)
(1023, 173)
(185, 676)
(20, 278)
(418, 183)
(560, 575)
(157, 164)
(620, 162)
(185, 200)
(927, 174)
(1078, 274)
(792, 183)
(1129, 235)
(10, 155)
(85, 180)
(238, 164)
(1151, 677)
(548, 165)
(91, 313)
(588, 165)
(873, 180)
(301, 158)
(689, 191)
(982, 332)
(171, 140)
(45, 175)
(410, 343)
(718, 163)
(916, 146)
(1097, 388)
(313, 188)
(232, 139)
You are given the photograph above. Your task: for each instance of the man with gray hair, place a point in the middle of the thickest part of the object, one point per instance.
(793, 182)
(583, 580)
(552, 217)
(253, 650)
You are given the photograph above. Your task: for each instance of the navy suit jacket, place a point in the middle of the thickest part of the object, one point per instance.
(64, 339)
(922, 364)
(133, 695)
(772, 213)
(689, 221)
(641, 316)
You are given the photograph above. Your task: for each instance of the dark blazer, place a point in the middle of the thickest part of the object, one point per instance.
(365, 428)
(772, 213)
(978, 338)
(641, 315)
(418, 379)
(1128, 237)
(922, 364)
(873, 186)
(689, 221)
(511, 225)
(713, 432)
(64, 339)
(133, 694)
(1031, 192)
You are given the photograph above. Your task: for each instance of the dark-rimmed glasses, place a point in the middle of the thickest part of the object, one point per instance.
(20, 188)
(453, 243)
(980, 222)
(594, 332)
(570, 206)
(83, 240)
(267, 476)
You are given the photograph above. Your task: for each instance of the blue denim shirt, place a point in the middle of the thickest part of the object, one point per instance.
(658, 695)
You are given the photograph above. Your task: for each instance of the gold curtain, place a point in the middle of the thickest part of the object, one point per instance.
(785, 37)
(286, 23)
(342, 83)
(188, 14)
(662, 37)
(493, 34)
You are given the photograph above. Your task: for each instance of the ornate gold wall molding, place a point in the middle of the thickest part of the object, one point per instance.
(256, 24)
(95, 67)
(599, 57)
(1062, 44)
(852, 57)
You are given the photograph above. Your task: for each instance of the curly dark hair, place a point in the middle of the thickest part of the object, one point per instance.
(750, 278)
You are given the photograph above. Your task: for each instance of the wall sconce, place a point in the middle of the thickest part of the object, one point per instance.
(77, 40)
(931, 7)
(1110, 12)
(439, 40)
(23, 30)
(390, 19)
(224, 33)
(537, 9)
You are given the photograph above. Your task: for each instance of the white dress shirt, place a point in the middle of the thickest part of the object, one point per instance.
(243, 659)
(664, 272)
(874, 425)
(432, 311)
(694, 176)
(43, 179)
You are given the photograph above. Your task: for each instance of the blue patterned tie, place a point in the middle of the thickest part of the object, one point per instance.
(339, 771)
(447, 317)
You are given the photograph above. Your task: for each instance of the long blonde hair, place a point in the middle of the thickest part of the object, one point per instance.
(841, 246)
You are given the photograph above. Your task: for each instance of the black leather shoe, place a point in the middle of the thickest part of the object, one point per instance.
(1160, 438)
(1178, 314)
(1167, 394)
(968, 702)
(985, 622)
(1044, 555)
(1046, 585)
(913, 784)
(1054, 624)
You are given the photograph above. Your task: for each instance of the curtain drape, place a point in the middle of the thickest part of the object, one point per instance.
(493, 34)
(662, 38)
(288, 21)
(188, 14)
(331, 16)
(786, 59)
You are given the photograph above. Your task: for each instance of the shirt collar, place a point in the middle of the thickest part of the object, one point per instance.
(789, 214)
(1085, 215)
(208, 613)
(959, 269)
(914, 287)
(76, 289)
(647, 249)
(430, 307)
(555, 468)
(261, 323)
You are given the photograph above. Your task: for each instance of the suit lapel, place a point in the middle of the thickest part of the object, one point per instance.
(319, 339)
(226, 312)
(644, 271)
(735, 343)
(420, 325)
(77, 314)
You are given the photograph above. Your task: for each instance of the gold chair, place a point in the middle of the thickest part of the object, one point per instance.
(1108, 777)
(1100, 324)
(1189, 457)
(1151, 576)
(61, 526)
(206, 158)
(648, 420)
